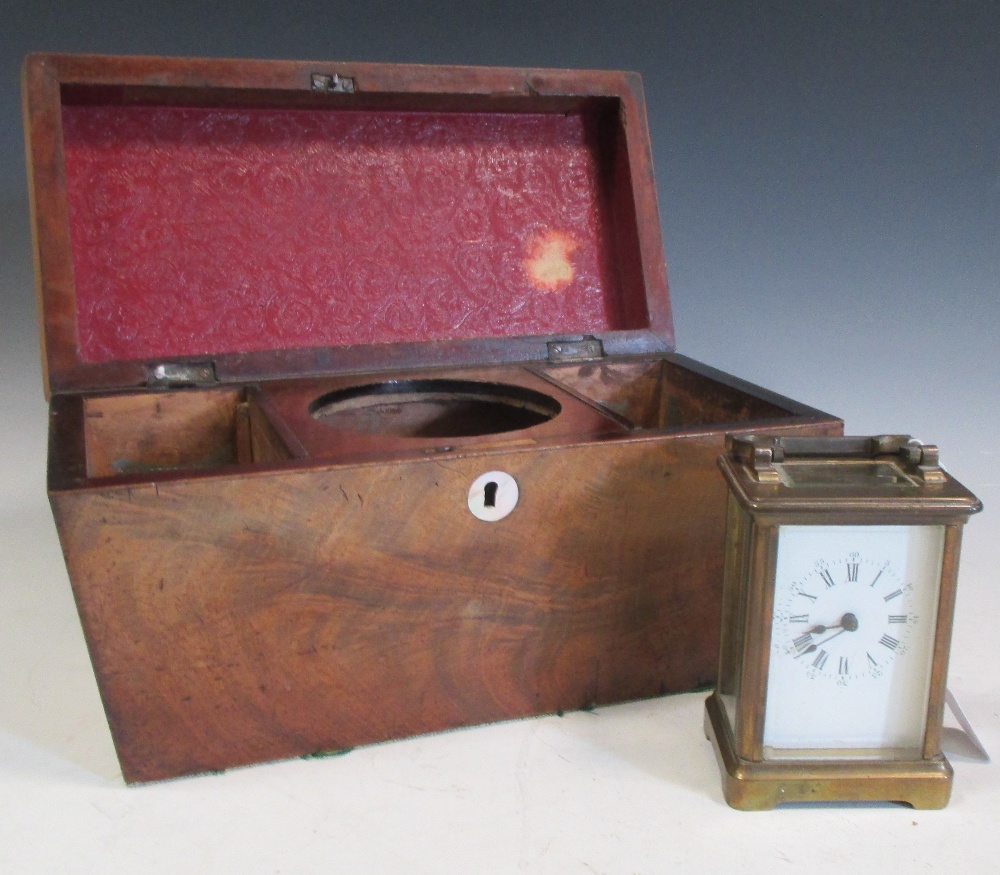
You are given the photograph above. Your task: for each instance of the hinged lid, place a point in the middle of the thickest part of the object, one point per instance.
(240, 220)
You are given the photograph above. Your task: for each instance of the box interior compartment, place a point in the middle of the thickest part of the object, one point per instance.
(659, 393)
(388, 415)
(349, 418)
(148, 433)
(434, 408)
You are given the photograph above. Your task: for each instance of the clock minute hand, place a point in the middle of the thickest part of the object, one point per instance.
(848, 623)
(812, 648)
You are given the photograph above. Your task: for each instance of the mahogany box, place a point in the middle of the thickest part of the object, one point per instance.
(366, 419)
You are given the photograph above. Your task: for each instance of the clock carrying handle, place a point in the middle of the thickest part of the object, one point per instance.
(761, 452)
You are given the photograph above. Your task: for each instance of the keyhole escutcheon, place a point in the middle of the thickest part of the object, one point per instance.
(493, 496)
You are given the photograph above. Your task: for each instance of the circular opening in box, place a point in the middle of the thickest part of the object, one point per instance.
(434, 408)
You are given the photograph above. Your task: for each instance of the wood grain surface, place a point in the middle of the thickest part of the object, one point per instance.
(233, 619)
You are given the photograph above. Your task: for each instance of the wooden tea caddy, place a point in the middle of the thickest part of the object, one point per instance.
(291, 312)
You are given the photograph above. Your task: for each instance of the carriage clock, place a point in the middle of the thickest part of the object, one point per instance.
(840, 570)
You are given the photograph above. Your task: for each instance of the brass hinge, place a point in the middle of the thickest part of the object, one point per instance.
(175, 375)
(584, 350)
(332, 84)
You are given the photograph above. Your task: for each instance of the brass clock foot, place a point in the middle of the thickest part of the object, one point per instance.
(761, 786)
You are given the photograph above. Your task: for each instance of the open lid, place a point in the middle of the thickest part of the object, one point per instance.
(202, 220)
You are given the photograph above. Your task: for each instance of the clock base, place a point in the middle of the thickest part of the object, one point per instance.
(761, 785)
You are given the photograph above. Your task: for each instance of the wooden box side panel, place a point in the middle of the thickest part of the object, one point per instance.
(234, 620)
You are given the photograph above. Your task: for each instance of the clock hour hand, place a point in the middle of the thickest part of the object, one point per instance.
(849, 623)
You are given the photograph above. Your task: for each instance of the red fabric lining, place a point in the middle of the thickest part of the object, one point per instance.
(200, 231)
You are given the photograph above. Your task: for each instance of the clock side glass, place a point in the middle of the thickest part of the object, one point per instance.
(852, 640)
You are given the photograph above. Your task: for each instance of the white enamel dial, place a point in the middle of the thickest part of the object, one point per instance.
(852, 640)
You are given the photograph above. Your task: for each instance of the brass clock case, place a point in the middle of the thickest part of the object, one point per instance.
(777, 485)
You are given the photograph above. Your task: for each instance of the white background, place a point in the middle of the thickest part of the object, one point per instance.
(829, 182)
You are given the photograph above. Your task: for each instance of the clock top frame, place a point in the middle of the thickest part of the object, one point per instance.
(885, 479)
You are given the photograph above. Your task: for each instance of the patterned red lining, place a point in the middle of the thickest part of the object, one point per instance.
(200, 231)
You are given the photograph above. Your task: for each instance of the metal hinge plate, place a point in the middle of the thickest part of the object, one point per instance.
(584, 350)
(176, 375)
(332, 83)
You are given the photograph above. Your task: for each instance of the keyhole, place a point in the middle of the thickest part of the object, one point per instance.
(490, 494)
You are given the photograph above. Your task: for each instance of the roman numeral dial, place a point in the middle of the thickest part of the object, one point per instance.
(844, 618)
(852, 636)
